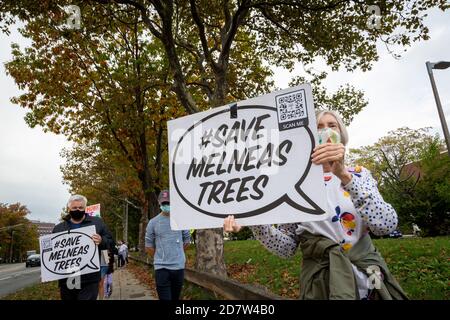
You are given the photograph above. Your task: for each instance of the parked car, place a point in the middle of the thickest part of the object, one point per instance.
(30, 252)
(395, 234)
(33, 260)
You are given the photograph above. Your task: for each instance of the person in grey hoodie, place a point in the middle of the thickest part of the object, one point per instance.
(167, 247)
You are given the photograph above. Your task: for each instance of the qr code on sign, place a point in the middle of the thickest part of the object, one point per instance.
(291, 106)
(46, 244)
(292, 110)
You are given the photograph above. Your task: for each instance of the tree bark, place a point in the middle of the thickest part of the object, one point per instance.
(209, 254)
(142, 227)
(209, 243)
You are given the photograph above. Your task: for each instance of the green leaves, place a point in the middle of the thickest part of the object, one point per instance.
(414, 176)
(347, 100)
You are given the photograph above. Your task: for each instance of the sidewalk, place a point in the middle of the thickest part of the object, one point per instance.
(127, 287)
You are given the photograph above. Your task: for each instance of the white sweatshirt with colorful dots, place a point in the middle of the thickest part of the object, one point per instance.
(353, 210)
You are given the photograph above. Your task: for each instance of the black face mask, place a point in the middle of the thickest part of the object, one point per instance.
(77, 214)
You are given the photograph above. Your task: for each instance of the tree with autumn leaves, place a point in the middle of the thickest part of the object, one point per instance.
(209, 53)
(105, 90)
(105, 180)
(17, 233)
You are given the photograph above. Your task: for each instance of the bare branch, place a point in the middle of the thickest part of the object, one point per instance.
(201, 33)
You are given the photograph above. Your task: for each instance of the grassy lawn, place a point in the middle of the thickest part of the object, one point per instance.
(40, 291)
(421, 265)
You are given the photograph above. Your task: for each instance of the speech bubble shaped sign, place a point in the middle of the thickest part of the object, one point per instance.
(67, 253)
(249, 164)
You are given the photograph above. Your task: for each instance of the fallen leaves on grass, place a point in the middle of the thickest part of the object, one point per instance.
(290, 285)
(241, 272)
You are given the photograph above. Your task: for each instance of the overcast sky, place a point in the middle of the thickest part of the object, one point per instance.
(29, 158)
(398, 91)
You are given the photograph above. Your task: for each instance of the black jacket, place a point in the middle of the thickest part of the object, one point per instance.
(107, 242)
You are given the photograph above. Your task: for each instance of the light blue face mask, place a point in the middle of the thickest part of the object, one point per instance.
(165, 207)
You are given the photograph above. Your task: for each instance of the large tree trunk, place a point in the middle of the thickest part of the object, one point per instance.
(145, 181)
(142, 227)
(145, 175)
(209, 257)
(149, 210)
(209, 242)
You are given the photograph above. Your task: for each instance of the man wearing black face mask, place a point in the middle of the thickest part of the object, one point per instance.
(78, 218)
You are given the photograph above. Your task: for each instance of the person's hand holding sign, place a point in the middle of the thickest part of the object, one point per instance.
(97, 239)
(230, 225)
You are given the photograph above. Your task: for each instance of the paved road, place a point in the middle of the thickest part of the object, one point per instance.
(15, 276)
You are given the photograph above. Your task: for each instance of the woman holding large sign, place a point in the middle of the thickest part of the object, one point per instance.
(339, 259)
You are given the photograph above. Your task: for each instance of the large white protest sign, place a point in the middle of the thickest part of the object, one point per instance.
(93, 210)
(66, 254)
(251, 159)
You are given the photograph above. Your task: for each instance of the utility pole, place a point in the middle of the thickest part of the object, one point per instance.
(124, 218)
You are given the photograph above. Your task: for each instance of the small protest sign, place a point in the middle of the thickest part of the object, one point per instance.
(68, 253)
(94, 210)
(251, 159)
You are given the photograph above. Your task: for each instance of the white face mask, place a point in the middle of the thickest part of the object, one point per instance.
(328, 135)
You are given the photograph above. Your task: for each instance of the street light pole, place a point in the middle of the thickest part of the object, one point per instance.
(430, 67)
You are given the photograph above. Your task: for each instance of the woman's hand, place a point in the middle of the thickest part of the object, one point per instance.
(332, 154)
(230, 225)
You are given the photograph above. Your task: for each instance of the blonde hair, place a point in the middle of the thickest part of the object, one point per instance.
(341, 125)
